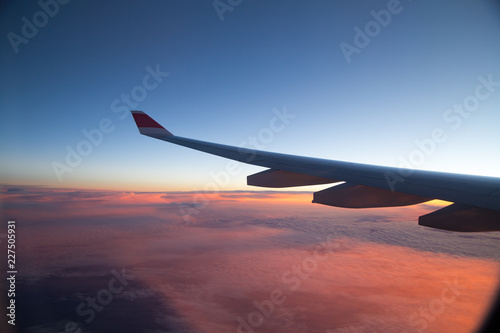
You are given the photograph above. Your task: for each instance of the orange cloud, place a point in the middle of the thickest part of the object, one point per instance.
(359, 285)
(263, 262)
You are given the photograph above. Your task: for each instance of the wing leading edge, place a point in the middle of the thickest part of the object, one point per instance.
(476, 199)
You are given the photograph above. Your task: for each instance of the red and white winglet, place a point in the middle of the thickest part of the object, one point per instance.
(148, 126)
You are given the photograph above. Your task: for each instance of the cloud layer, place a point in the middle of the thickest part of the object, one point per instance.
(245, 262)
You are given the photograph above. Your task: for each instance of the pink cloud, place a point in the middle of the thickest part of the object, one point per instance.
(264, 262)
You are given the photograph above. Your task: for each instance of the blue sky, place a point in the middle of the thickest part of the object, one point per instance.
(227, 79)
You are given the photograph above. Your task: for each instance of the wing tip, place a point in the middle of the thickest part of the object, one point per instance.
(148, 126)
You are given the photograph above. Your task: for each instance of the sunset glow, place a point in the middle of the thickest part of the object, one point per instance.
(238, 249)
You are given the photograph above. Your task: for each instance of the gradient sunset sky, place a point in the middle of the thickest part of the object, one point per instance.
(229, 72)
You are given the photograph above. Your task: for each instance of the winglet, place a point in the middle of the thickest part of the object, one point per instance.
(147, 126)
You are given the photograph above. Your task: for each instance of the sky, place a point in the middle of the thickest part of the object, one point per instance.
(249, 262)
(358, 81)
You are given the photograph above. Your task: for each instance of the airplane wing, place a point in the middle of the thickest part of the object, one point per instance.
(475, 199)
